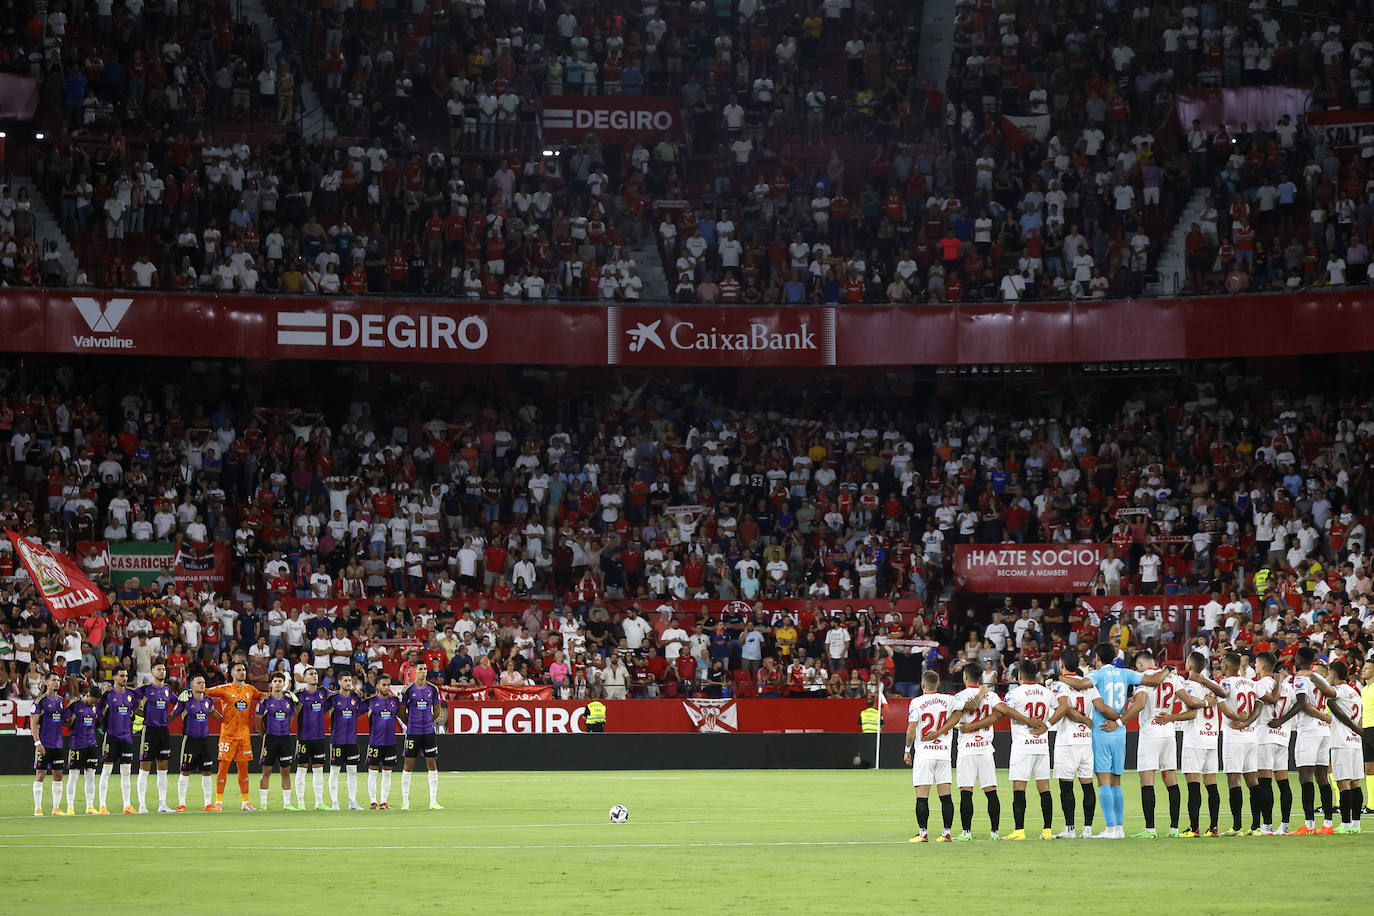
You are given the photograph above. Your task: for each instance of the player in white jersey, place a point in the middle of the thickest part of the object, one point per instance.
(1156, 747)
(930, 719)
(1029, 705)
(1276, 693)
(1073, 746)
(976, 764)
(1313, 732)
(1201, 733)
(1240, 705)
(1346, 737)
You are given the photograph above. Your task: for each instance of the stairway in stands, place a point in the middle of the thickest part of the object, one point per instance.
(1172, 267)
(649, 266)
(937, 42)
(46, 225)
(315, 123)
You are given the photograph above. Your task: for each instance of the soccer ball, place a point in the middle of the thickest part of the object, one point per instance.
(619, 814)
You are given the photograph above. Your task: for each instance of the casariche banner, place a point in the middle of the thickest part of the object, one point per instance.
(1027, 568)
(613, 118)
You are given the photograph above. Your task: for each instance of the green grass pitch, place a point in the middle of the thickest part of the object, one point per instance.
(788, 840)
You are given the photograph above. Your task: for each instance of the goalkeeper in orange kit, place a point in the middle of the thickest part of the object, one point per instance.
(236, 703)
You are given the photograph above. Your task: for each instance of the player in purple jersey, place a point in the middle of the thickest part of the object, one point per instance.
(344, 709)
(312, 748)
(157, 708)
(421, 708)
(199, 749)
(381, 742)
(83, 757)
(48, 755)
(117, 709)
(278, 747)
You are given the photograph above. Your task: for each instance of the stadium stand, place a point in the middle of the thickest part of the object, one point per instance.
(681, 527)
(816, 166)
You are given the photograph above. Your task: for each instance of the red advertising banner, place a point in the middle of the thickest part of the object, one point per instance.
(1174, 609)
(65, 589)
(1038, 568)
(491, 717)
(439, 331)
(613, 118)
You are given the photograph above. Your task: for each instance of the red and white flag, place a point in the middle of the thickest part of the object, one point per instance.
(66, 590)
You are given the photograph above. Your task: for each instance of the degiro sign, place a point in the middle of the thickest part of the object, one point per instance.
(614, 119)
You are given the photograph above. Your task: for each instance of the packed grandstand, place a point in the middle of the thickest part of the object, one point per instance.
(646, 537)
(813, 152)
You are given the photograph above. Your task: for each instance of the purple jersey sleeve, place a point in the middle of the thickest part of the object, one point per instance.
(343, 721)
(197, 717)
(117, 709)
(313, 706)
(420, 703)
(81, 718)
(276, 715)
(49, 711)
(159, 704)
(381, 720)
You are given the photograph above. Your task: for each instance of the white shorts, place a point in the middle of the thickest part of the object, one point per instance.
(930, 771)
(1150, 195)
(1239, 756)
(1074, 761)
(1273, 757)
(1157, 753)
(977, 768)
(1347, 762)
(1199, 760)
(1028, 767)
(1310, 751)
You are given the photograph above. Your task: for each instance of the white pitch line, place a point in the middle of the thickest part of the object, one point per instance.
(133, 835)
(370, 848)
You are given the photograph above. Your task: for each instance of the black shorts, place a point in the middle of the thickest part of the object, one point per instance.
(157, 743)
(83, 758)
(426, 746)
(52, 758)
(314, 752)
(1368, 742)
(199, 754)
(381, 755)
(344, 755)
(278, 751)
(116, 750)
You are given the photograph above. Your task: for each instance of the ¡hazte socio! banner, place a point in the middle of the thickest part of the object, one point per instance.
(1037, 568)
(575, 334)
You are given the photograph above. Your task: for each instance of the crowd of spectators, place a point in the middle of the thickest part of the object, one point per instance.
(836, 174)
(748, 540)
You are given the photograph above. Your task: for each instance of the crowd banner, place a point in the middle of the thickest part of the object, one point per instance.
(146, 323)
(613, 118)
(1174, 610)
(467, 694)
(64, 588)
(1027, 568)
(14, 716)
(141, 560)
(715, 716)
(1257, 106)
(205, 565)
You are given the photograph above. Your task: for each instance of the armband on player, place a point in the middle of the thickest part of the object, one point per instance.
(138, 723)
(184, 695)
